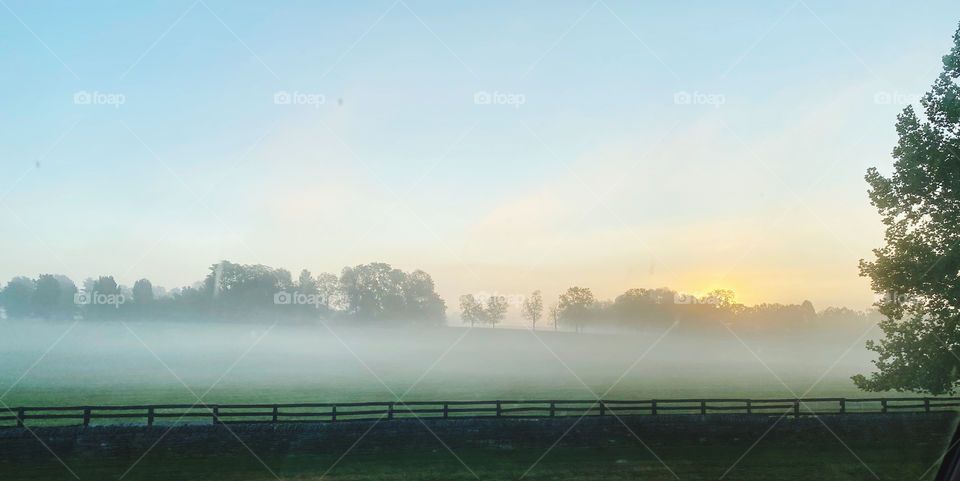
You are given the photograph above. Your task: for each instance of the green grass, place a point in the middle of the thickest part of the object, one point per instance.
(828, 461)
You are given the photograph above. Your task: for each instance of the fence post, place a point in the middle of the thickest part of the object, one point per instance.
(150, 416)
(883, 405)
(21, 414)
(86, 416)
(216, 415)
(796, 408)
(553, 409)
(276, 413)
(749, 406)
(653, 406)
(390, 411)
(926, 404)
(499, 409)
(603, 408)
(333, 412)
(703, 407)
(446, 410)
(843, 405)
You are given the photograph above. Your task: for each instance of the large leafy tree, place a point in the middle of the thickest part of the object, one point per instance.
(104, 297)
(328, 286)
(143, 292)
(421, 301)
(46, 296)
(917, 271)
(373, 291)
(575, 305)
(16, 297)
(242, 290)
(377, 291)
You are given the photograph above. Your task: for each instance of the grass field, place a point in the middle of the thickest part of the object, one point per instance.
(145, 363)
(827, 462)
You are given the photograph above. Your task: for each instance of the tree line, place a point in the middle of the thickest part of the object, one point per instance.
(374, 292)
(577, 309)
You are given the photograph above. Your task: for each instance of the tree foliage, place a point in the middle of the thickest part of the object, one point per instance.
(574, 307)
(917, 271)
(365, 293)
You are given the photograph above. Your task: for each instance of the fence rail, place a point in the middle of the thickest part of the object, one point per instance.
(355, 411)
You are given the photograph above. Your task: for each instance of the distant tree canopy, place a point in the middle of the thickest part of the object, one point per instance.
(577, 309)
(918, 269)
(47, 297)
(377, 291)
(366, 293)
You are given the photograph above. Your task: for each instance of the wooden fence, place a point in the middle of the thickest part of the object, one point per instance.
(333, 412)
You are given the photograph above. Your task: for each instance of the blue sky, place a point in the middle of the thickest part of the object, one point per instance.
(599, 178)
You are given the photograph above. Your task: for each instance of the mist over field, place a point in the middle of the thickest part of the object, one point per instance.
(148, 362)
(254, 214)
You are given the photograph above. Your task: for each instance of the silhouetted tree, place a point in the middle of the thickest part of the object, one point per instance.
(532, 309)
(328, 286)
(247, 291)
(104, 299)
(373, 292)
(143, 292)
(916, 270)
(495, 311)
(574, 306)
(46, 297)
(67, 305)
(306, 284)
(471, 310)
(17, 296)
(421, 301)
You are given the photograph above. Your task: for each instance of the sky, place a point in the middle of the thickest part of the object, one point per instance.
(500, 147)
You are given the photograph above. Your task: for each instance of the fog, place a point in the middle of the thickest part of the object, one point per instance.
(147, 362)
